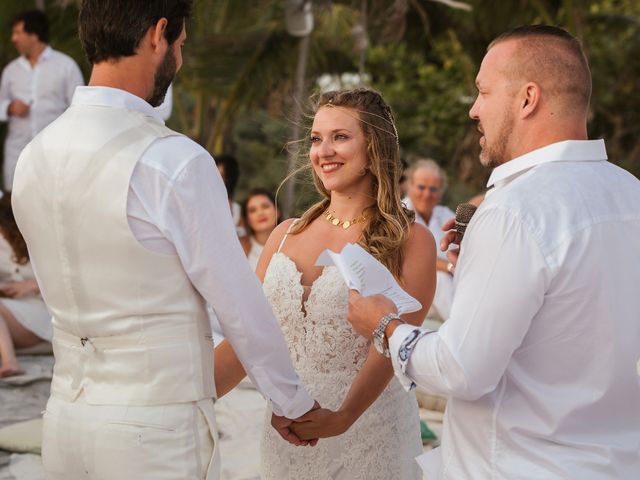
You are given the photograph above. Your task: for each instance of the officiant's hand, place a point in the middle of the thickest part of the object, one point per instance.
(449, 238)
(365, 312)
(282, 425)
(321, 423)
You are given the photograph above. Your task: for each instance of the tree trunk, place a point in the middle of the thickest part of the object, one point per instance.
(294, 149)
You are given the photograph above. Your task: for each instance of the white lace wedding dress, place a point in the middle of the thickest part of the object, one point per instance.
(327, 354)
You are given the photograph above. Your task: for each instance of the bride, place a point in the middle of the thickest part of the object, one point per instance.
(373, 423)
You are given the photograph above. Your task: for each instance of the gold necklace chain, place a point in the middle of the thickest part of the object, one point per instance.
(343, 223)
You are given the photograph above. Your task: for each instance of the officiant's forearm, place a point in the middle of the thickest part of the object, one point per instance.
(367, 385)
(227, 369)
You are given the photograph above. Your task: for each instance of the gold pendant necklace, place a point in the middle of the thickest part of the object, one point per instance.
(343, 223)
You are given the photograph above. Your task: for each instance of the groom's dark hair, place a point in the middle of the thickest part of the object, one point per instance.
(111, 29)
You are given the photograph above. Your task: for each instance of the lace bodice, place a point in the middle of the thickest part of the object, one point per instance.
(320, 339)
(327, 353)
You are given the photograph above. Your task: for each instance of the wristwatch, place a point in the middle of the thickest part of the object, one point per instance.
(379, 339)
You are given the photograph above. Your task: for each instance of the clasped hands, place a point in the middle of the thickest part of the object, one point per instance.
(364, 313)
(315, 424)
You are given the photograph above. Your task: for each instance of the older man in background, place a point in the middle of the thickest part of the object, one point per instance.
(427, 183)
(35, 88)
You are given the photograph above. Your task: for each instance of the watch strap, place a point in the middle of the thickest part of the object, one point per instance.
(380, 331)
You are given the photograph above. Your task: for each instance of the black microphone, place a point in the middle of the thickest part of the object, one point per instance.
(464, 212)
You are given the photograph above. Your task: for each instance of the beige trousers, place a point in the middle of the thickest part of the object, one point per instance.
(113, 442)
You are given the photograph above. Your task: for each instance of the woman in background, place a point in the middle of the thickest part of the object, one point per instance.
(24, 319)
(260, 216)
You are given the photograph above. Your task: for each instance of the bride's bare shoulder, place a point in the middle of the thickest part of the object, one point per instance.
(272, 246)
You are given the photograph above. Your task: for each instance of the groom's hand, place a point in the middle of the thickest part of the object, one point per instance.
(282, 426)
(365, 312)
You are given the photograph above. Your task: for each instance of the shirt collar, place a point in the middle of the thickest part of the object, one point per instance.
(114, 97)
(46, 53)
(567, 150)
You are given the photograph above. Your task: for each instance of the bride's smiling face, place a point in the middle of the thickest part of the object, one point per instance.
(339, 150)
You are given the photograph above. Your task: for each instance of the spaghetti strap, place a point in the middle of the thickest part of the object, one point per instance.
(287, 234)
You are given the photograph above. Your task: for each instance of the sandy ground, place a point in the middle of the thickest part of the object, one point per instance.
(240, 416)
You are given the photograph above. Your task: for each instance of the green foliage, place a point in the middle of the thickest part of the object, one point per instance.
(430, 95)
(613, 34)
(427, 76)
(259, 141)
(235, 89)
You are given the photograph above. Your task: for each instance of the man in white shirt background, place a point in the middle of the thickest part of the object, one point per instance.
(132, 235)
(538, 357)
(427, 184)
(35, 88)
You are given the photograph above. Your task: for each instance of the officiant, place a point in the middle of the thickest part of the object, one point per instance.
(538, 357)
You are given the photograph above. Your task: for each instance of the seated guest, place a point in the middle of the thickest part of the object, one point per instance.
(260, 216)
(24, 319)
(427, 183)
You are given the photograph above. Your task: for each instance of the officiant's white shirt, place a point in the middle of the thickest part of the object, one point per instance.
(538, 357)
(177, 205)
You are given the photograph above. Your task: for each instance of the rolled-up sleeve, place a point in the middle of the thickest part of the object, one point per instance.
(197, 220)
(502, 277)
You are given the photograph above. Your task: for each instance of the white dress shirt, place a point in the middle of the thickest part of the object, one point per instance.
(538, 357)
(439, 215)
(177, 204)
(443, 297)
(47, 87)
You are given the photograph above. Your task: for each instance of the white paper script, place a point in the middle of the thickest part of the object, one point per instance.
(368, 276)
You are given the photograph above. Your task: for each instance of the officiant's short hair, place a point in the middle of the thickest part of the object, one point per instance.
(112, 29)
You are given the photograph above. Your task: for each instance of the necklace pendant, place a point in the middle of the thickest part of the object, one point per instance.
(335, 221)
(346, 224)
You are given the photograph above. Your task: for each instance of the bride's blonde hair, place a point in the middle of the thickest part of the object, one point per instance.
(388, 219)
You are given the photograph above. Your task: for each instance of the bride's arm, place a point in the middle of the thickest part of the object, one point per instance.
(419, 280)
(227, 369)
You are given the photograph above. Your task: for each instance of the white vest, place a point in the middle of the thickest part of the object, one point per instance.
(129, 328)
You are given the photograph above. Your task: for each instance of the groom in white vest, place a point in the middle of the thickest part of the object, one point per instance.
(129, 232)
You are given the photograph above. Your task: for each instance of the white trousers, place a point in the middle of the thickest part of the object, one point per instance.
(113, 442)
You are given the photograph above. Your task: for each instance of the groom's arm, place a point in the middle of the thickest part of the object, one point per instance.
(196, 218)
(227, 369)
